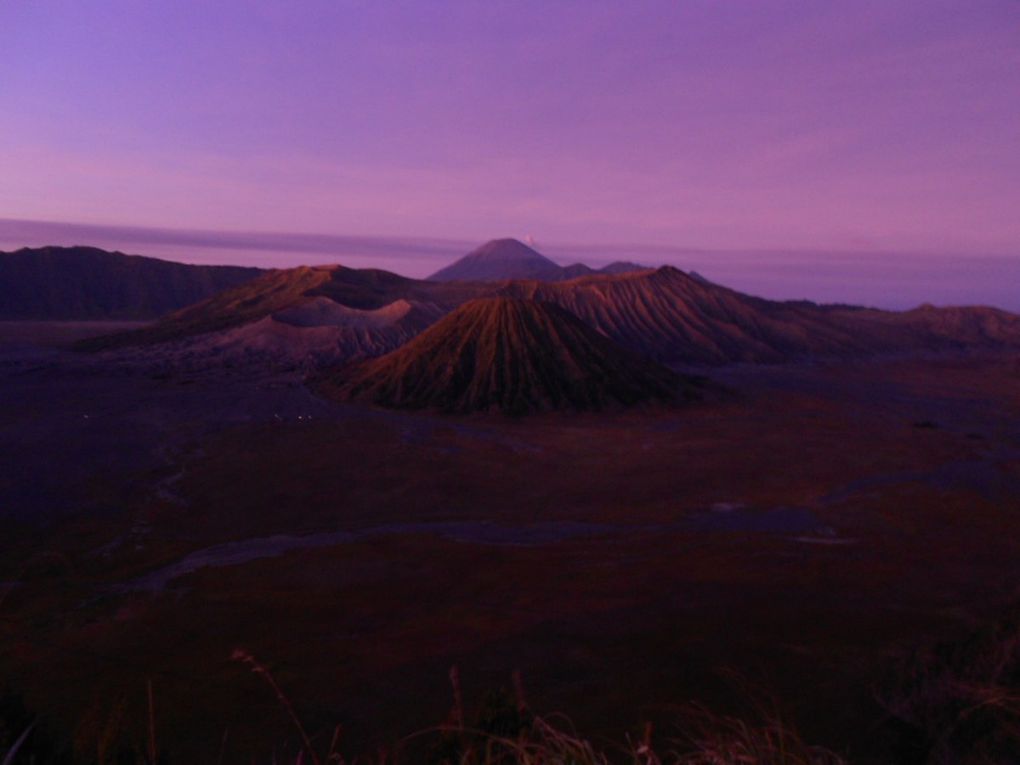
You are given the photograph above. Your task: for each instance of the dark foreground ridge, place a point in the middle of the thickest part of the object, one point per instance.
(509, 355)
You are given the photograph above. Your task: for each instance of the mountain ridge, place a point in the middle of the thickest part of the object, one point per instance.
(664, 314)
(87, 283)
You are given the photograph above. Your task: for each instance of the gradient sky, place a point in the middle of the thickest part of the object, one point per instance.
(824, 127)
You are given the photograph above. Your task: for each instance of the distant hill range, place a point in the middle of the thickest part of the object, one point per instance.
(316, 317)
(85, 283)
(503, 259)
(512, 356)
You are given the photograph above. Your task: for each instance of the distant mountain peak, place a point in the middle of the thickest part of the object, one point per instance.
(507, 259)
(497, 260)
(509, 246)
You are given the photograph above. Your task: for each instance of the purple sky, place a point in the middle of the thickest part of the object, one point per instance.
(741, 128)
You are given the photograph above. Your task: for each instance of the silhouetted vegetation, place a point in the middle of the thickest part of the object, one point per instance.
(959, 702)
(951, 703)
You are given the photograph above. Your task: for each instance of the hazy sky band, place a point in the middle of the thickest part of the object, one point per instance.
(883, 279)
(191, 241)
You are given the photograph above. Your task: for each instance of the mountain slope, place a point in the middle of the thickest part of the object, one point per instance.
(303, 294)
(314, 335)
(85, 283)
(514, 356)
(305, 317)
(334, 313)
(673, 317)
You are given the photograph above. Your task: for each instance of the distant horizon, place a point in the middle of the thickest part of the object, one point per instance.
(881, 279)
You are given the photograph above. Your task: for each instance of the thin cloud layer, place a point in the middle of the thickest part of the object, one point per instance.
(274, 250)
